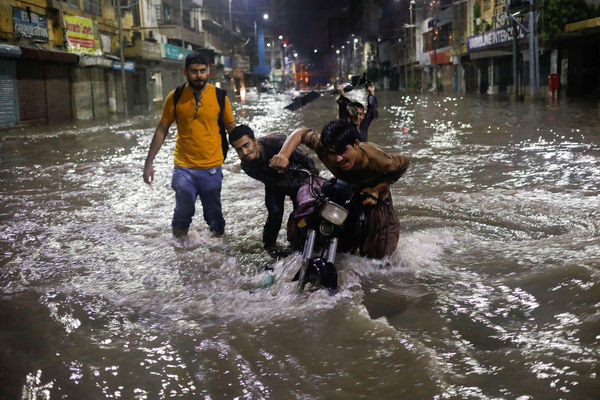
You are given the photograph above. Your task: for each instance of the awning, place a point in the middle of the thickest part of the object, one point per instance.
(6, 50)
(46, 55)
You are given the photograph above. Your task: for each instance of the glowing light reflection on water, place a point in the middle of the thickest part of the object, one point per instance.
(493, 292)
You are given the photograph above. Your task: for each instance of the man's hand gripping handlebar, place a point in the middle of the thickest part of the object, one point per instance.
(279, 163)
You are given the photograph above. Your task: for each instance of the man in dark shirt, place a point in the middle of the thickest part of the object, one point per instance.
(354, 111)
(255, 155)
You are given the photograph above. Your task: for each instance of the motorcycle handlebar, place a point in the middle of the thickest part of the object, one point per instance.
(297, 169)
(292, 168)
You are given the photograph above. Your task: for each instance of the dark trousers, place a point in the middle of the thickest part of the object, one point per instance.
(274, 201)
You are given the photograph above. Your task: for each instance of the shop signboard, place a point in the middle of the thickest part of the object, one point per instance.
(493, 38)
(30, 25)
(172, 52)
(80, 35)
(129, 65)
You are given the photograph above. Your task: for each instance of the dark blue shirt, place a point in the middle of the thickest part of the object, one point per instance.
(370, 114)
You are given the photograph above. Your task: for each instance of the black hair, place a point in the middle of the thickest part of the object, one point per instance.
(239, 131)
(338, 134)
(195, 58)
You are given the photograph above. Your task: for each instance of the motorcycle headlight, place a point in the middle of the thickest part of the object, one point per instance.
(334, 213)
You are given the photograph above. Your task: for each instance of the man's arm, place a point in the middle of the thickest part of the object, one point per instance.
(374, 193)
(303, 161)
(157, 141)
(229, 126)
(342, 102)
(372, 112)
(282, 159)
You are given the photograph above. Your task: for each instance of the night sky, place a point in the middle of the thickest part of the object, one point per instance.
(308, 23)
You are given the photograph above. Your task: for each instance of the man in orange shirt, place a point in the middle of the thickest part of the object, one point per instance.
(199, 150)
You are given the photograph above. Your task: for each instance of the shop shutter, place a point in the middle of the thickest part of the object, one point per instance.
(58, 92)
(31, 89)
(100, 94)
(8, 93)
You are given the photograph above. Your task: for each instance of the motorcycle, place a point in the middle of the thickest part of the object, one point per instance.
(328, 217)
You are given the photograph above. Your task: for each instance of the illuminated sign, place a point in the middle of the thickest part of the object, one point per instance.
(496, 37)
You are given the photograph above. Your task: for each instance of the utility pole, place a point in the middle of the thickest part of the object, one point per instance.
(405, 43)
(435, 35)
(533, 61)
(122, 56)
(412, 70)
(231, 28)
(282, 57)
(181, 29)
(515, 58)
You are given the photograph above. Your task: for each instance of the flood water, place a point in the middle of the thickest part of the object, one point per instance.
(493, 292)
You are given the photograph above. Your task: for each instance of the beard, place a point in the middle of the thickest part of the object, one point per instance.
(197, 85)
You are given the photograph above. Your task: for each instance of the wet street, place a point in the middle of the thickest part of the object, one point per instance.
(493, 292)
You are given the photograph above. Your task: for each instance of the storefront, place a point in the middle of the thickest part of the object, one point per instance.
(90, 88)
(44, 86)
(9, 112)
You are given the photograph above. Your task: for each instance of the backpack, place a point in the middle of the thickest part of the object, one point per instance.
(221, 94)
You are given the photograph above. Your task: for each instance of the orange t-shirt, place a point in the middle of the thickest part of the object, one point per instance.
(198, 143)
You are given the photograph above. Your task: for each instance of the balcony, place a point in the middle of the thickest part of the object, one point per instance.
(143, 49)
(189, 36)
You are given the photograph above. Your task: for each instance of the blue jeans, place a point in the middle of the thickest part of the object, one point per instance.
(189, 184)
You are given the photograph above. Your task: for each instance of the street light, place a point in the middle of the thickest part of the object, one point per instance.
(410, 8)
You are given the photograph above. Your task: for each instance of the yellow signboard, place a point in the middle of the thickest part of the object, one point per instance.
(80, 34)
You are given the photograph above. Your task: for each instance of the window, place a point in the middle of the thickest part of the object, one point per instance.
(166, 12)
(92, 7)
(437, 38)
(157, 83)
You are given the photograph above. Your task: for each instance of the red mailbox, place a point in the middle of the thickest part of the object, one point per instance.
(553, 83)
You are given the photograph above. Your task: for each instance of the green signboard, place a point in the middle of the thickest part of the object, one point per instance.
(174, 52)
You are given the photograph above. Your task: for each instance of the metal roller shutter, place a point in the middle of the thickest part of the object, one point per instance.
(100, 94)
(58, 92)
(31, 89)
(8, 93)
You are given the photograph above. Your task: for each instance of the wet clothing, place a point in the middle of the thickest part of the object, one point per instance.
(382, 223)
(188, 184)
(277, 185)
(371, 113)
(198, 142)
(198, 155)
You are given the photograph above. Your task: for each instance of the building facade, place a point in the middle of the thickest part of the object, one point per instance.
(60, 60)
